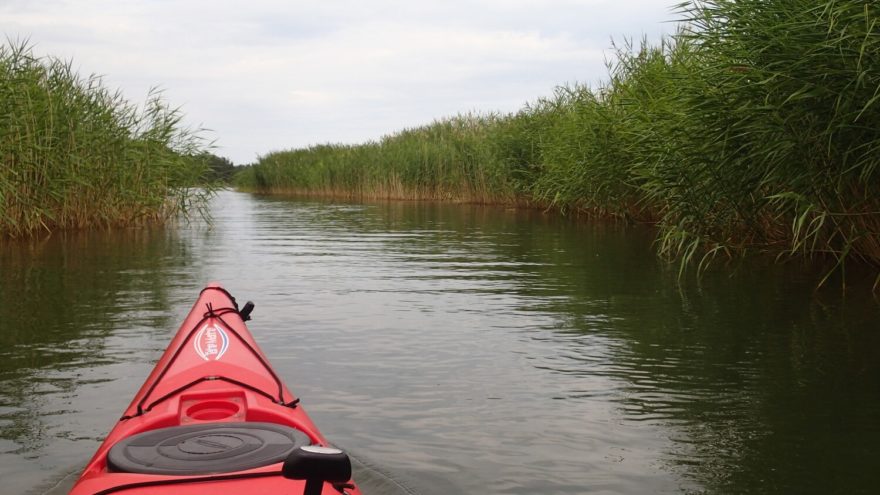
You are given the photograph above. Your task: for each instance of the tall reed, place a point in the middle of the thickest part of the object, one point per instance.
(449, 159)
(787, 99)
(756, 127)
(74, 154)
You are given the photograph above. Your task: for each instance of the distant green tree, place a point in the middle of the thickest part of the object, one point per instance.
(221, 169)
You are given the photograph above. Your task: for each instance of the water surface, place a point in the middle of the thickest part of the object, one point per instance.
(459, 349)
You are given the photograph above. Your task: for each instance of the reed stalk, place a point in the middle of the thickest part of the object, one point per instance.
(755, 127)
(74, 154)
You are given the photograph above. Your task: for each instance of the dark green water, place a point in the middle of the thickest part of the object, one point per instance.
(459, 349)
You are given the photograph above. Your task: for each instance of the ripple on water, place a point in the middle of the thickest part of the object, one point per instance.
(459, 349)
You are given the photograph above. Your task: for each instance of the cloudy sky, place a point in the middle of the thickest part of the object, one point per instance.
(265, 75)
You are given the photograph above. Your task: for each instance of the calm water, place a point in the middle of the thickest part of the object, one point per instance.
(459, 349)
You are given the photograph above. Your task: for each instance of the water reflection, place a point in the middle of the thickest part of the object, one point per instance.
(760, 383)
(719, 387)
(77, 313)
(464, 349)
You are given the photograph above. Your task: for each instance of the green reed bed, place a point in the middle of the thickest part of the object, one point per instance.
(450, 159)
(756, 127)
(73, 154)
(786, 129)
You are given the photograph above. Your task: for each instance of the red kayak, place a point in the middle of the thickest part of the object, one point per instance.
(214, 418)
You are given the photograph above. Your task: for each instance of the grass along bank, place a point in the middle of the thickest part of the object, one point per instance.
(756, 127)
(450, 159)
(74, 154)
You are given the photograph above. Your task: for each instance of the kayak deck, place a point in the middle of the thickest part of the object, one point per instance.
(212, 417)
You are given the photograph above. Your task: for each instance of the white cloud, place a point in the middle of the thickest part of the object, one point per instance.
(268, 75)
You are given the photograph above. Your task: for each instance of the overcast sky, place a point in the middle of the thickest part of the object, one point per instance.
(272, 75)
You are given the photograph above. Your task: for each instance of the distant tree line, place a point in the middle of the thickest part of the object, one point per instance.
(220, 169)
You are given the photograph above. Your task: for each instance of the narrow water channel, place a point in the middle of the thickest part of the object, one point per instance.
(459, 349)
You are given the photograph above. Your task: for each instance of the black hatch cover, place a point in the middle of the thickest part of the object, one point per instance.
(205, 448)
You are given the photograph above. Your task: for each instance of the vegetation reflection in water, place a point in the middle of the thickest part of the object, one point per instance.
(760, 382)
(764, 388)
(77, 312)
(463, 349)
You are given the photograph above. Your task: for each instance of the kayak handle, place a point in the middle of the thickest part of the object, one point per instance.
(317, 465)
(245, 312)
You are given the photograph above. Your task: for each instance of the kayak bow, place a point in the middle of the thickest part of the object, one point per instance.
(214, 418)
